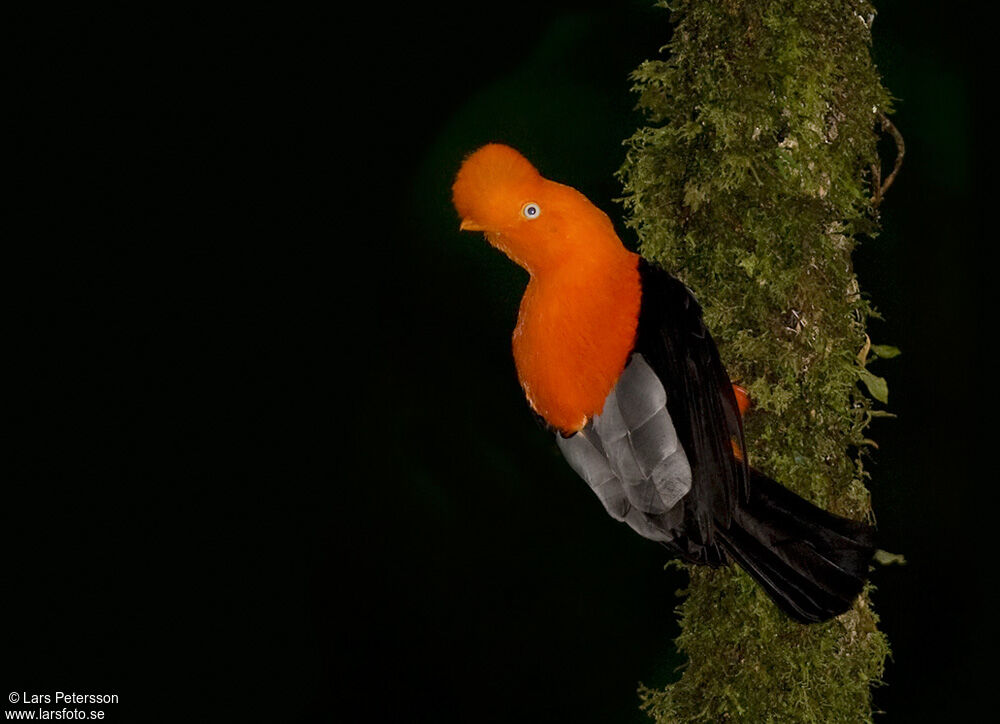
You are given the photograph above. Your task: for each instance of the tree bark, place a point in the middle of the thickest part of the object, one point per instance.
(751, 182)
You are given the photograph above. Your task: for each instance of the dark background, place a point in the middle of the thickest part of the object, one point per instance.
(271, 459)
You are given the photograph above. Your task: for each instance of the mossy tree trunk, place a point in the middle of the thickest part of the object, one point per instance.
(754, 177)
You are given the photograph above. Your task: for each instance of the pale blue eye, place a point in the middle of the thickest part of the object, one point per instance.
(531, 210)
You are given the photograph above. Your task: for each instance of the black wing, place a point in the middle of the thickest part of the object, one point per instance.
(674, 341)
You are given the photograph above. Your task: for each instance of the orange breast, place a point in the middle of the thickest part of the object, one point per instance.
(574, 335)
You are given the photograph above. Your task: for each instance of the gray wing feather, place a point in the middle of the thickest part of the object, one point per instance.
(640, 393)
(630, 455)
(591, 465)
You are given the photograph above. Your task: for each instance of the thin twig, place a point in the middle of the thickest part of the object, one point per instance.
(882, 186)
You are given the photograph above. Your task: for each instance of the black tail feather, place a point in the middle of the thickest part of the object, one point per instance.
(811, 562)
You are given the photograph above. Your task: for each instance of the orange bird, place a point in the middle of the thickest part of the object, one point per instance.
(612, 354)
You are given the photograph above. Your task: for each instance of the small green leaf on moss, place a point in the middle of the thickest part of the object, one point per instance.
(885, 558)
(877, 386)
(885, 351)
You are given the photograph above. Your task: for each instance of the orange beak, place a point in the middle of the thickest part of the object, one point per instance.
(470, 226)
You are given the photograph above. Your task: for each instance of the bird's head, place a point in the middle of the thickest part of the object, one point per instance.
(539, 224)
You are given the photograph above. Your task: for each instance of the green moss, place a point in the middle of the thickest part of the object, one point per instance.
(752, 183)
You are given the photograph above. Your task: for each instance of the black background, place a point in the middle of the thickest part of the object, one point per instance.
(271, 459)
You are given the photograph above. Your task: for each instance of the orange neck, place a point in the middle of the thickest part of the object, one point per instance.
(575, 331)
